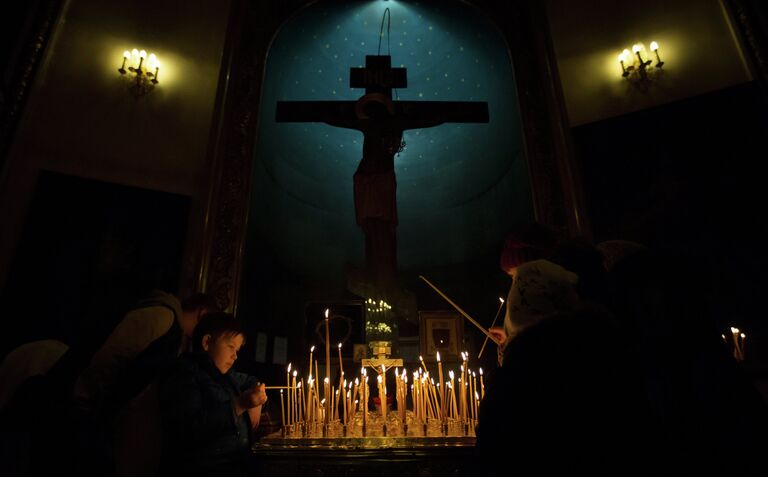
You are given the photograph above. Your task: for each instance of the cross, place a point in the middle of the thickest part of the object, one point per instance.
(382, 122)
(382, 362)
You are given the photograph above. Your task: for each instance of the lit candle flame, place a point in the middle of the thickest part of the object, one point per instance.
(438, 356)
(326, 313)
(501, 299)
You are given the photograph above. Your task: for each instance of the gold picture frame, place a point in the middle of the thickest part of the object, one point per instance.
(443, 331)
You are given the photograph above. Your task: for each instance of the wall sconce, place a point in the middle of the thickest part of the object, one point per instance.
(145, 70)
(634, 66)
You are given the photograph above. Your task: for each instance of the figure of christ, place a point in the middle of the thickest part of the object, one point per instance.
(382, 122)
(375, 184)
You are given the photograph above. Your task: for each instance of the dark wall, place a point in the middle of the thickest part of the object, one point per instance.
(88, 251)
(684, 178)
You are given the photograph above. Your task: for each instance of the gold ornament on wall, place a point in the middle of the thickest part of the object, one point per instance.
(636, 65)
(142, 70)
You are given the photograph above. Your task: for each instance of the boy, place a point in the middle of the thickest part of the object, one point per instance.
(209, 410)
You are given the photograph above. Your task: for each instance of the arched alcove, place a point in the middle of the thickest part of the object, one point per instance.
(459, 186)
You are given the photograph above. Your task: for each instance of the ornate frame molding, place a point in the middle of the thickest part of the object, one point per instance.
(30, 53)
(214, 265)
(751, 34)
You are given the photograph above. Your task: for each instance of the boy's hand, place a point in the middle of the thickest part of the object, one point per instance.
(253, 397)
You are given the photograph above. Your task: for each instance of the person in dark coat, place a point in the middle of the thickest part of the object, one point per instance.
(563, 401)
(208, 410)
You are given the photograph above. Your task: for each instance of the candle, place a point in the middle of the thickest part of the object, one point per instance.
(295, 409)
(334, 402)
(341, 379)
(365, 399)
(501, 304)
(288, 386)
(308, 407)
(438, 407)
(473, 392)
(282, 408)
(440, 380)
(743, 344)
(735, 335)
(453, 394)
(482, 385)
(301, 402)
(326, 399)
(355, 390)
(309, 373)
(463, 385)
(423, 366)
(382, 400)
(327, 362)
(345, 402)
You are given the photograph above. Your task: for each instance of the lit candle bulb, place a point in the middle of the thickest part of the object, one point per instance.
(624, 71)
(142, 57)
(152, 61)
(126, 55)
(134, 59)
(655, 49)
(636, 49)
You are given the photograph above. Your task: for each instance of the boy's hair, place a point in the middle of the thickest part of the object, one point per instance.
(198, 301)
(216, 324)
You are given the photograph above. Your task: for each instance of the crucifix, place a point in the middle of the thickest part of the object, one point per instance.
(382, 122)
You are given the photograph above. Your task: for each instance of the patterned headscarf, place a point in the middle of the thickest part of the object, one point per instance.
(540, 289)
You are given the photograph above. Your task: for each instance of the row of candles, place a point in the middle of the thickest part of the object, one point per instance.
(455, 398)
(737, 344)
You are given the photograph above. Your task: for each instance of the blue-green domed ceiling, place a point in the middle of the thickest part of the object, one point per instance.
(460, 186)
